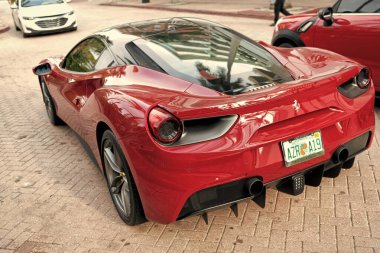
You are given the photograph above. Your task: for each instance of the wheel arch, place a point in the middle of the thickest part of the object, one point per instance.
(101, 127)
(287, 36)
(114, 114)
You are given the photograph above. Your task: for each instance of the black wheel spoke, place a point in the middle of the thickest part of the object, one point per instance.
(125, 198)
(117, 184)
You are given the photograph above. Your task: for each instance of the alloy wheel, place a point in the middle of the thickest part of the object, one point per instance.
(117, 179)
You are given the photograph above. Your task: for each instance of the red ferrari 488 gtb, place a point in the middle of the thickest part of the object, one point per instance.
(184, 115)
(350, 28)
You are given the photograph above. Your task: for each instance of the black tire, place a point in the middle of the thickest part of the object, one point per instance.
(25, 35)
(120, 181)
(49, 104)
(287, 45)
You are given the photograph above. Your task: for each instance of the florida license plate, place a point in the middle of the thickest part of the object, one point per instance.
(302, 148)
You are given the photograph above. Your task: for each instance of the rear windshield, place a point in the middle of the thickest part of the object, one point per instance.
(213, 56)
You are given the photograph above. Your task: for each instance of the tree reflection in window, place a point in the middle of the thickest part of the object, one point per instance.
(84, 56)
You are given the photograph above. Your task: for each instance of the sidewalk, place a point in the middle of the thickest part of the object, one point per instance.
(243, 8)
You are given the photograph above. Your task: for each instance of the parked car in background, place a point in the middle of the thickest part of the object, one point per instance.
(185, 115)
(350, 28)
(34, 17)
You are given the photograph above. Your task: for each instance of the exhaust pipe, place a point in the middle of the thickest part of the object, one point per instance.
(255, 186)
(340, 155)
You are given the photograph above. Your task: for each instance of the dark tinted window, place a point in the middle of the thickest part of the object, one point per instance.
(84, 56)
(214, 57)
(359, 6)
(141, 58)
(106, 60)
(31, 3)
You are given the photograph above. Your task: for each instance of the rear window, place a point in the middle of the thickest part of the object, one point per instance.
(213, 56)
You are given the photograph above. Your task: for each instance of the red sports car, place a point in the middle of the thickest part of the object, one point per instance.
(185, 115)
(350, 28)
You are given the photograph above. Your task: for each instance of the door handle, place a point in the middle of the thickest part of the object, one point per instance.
(71, 80)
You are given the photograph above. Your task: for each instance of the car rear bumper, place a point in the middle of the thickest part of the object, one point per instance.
(169, 178)
(227, 194)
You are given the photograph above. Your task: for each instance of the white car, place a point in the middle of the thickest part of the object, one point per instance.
(43, 16)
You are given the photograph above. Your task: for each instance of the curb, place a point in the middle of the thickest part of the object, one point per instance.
(242, 14)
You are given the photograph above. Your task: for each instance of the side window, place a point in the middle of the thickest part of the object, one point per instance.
(106, 60)
(359, 6)
(84, 56)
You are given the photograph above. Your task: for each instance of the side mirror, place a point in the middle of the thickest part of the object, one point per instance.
(326, 14)
(68, 1)
(13, 6)
(42, 70)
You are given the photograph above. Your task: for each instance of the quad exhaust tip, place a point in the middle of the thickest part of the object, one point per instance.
(255, 186)
(256, 190)
(340, 155)
(295, 185)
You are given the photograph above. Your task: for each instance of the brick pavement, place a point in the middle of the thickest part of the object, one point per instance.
(53, 198)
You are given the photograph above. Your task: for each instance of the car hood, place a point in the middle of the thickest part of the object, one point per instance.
(46, 10)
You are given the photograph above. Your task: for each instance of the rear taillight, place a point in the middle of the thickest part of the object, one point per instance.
(164, 126)
(356, 86)
(363, 79)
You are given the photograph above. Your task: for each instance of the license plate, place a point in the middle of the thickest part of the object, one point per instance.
(302, 148)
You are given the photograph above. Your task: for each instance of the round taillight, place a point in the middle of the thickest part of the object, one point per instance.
(363, 79)
(165, 127)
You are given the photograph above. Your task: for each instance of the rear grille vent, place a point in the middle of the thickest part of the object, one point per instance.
(52, 22)
(350, 89)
